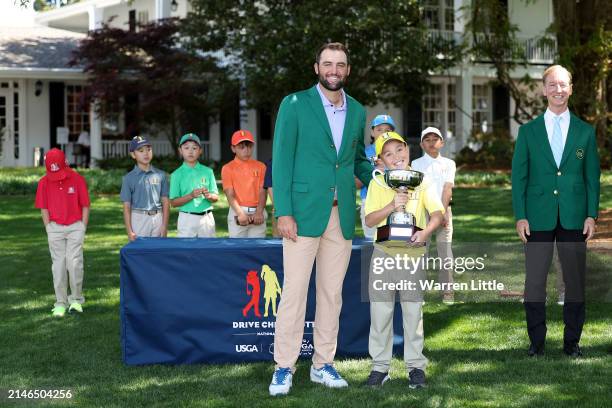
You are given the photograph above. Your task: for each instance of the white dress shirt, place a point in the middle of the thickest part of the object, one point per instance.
(549, 121)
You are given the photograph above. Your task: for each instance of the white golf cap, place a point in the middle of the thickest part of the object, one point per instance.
(433, 130)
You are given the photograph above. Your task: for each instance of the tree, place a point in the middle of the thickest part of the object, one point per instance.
(583, 32)
(584, 35)
(493, 39)
(151, 69)
(271, 45)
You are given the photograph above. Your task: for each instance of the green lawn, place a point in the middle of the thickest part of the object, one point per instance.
(476, 350)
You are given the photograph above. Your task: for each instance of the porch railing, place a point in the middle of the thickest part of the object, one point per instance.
(120, 148)
(536, 51)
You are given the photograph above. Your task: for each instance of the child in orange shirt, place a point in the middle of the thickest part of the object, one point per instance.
(243, 180)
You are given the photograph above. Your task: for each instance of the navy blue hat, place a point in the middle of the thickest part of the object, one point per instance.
(137, 142)
(383, 119)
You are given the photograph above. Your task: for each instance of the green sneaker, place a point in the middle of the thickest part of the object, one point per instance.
(75, 306)
(58, 311)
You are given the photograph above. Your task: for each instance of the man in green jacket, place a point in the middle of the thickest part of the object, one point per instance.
(318, 148)
(555, 197)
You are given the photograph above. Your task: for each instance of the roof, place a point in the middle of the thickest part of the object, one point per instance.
(37, 47)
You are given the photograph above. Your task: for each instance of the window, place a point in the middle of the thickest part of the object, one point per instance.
(439, 14)
(439, 107)
(433, 108)
(481, 108)
(77, 114)
(143, 18)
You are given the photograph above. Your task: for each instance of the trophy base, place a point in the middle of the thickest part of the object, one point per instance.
(395, 235)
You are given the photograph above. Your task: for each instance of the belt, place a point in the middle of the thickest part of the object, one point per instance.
(335, 203)
(146, 212)
(249, 209)
(198, 213)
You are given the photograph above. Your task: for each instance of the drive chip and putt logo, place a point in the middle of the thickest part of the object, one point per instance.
(262, 293)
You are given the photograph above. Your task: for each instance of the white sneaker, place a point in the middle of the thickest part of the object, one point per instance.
(328, 376)
(561, 299)
(282, 380)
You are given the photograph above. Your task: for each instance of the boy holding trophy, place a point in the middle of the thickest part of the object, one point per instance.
(404, 209)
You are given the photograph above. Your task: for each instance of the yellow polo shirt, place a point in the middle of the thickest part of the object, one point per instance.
(426, 200)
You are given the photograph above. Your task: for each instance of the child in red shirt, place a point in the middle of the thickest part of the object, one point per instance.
(64, 204)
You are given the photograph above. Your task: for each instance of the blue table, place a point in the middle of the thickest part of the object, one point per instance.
(184, 301)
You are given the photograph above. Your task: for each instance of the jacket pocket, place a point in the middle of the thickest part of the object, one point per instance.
(299, 187)
(534, 190)
(579, 188)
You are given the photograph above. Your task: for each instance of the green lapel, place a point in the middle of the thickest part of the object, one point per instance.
(317, 106)
(570, 142)
(350, 115)
(542, 135)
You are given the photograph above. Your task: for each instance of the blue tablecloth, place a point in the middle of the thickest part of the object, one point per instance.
(183, 301)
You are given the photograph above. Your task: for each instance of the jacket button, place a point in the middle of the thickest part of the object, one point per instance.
(332, 146)
(337, 166)
(558, 173)
(331, 189)
(555, 192)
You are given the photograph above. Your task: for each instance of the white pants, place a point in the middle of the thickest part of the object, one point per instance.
(245, 231)
(196, 226)
(444, 239)
(66, 248)
(368, 232)
(145, 225)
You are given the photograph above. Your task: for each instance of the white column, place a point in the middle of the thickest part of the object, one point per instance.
(459, 16)
(162, 9)
(464, 115)
(95, 125)
(215, 140)
(96, 17)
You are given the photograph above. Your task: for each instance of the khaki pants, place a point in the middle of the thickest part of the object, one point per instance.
(145, 225)
(382, 305)
(444, 240)
(332, 253)
(195, 226)
(66, 249)
(236, 230)
(275, 232)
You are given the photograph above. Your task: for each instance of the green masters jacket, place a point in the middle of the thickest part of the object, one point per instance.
(541, 192)
(306, 168)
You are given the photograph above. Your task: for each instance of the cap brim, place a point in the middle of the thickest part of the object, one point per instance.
(61, 174)
(246, 139)
(423, 136)
(190, 140)
(139, 146)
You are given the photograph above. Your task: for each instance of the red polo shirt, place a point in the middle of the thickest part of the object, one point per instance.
(63, 199)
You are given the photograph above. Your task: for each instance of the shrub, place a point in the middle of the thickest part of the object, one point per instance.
(490, 150)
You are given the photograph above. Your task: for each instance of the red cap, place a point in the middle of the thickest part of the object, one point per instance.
(242, 136)
(56, 164)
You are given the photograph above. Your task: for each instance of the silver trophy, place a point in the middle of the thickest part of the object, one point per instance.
(401, 225)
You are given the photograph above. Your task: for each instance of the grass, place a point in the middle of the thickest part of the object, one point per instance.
(476, 350)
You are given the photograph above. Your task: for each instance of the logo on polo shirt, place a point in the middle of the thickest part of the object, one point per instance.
(154, 180)
(71, 190)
